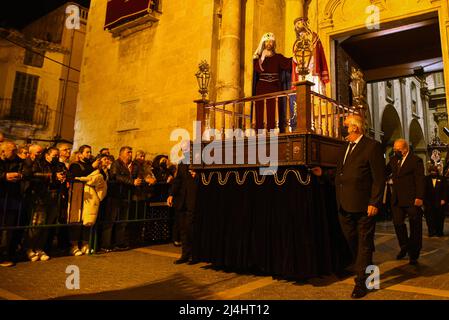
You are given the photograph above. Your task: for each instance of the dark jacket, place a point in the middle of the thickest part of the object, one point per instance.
(43, 176)
(408, 180)
(80, 169)
(434, 195)
(13, 189)
(184, 189)
(121, 181)
(360, 181)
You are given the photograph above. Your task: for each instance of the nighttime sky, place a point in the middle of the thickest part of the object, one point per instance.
(19, 13)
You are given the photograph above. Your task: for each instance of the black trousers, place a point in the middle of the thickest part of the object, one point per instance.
(176, 229)
(79, 234)
(10, 210)
(45, 211)
(435, 219)
(117, 209)
(359, 230)
(410, 243)
(186, 229)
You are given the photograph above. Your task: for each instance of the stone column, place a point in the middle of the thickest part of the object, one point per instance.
(228, 81)
(425, 108)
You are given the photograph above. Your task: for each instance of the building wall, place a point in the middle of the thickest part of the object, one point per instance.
(437, 114)
(53, 75)
(47, 90)
(53, 27)
(338, 18)
(136, 90)
(142, 86)
(417, 128)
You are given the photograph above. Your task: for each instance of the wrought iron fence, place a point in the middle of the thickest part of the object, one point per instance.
(29, 113)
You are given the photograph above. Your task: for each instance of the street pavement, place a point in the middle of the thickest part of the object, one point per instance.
(149, 274)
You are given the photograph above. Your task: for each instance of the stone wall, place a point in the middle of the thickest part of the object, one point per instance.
(137, 89)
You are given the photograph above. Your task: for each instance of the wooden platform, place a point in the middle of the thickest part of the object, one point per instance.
(293, 149)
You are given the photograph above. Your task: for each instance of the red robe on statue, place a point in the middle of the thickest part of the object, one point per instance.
(269, 81)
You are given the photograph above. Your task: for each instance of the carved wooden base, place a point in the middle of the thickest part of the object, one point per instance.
(292, 149)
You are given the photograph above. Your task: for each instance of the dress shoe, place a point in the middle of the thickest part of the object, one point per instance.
(413, 262)
(181, 260)
(401, 254)
(192, 262)
(359, 292)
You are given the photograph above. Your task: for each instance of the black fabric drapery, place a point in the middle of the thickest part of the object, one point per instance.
(291, 231)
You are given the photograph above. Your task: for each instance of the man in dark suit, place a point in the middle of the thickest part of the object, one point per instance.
(435, 198)
(359, 182)
(182, 195)
(407, 172)
(124, 178)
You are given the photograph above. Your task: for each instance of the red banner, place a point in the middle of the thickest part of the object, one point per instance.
(121, 11)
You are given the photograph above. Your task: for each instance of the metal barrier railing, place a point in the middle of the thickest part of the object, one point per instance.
(24, 208)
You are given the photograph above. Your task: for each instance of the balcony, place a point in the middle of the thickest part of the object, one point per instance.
(34, 115)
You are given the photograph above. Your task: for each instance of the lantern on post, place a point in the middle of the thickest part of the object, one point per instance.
(304, 46)
(358, 88)
(203, 79)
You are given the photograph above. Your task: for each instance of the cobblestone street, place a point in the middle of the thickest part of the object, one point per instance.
(149, 273)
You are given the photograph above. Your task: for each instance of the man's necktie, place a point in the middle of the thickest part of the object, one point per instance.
(351, 146)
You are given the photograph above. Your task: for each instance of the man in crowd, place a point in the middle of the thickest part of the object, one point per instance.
(435, 198)
(182, 195)
(407, 172)
(123, 180)
(10, 198)
(359, 182)
(63, 232)
(34, 153)
(47, 177)
(105, 151)
(22, 152)
(64, 154)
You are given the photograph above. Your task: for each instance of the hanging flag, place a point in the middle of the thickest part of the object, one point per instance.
(320, 63)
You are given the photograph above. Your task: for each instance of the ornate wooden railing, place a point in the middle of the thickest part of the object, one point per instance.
(312, 113)
(308, 134)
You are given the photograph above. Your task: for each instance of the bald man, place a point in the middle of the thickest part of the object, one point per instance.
(407, 171)
(359, 183)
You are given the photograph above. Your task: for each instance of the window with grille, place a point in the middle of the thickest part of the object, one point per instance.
(24, 96)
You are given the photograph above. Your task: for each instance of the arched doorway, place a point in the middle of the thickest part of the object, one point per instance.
(417, 142)
(391, 128)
